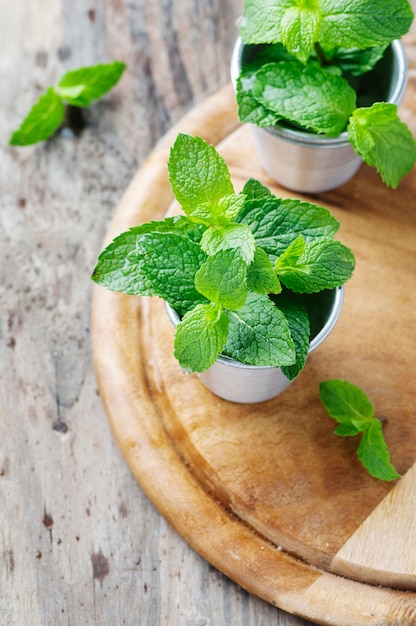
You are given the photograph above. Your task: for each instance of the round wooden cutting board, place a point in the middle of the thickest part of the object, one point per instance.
(267, 493)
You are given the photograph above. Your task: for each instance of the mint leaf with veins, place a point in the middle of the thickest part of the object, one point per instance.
(352, 409)
(261, 20)
(250, 110)
(222, 279)
(230, 236)
(277, 223)
(362, 24)
(261, 276)
(299, 325)
(42, 121)
(199, 178)
(258, 334)
(383, 141)
(320, 265)
(305, 94)
(300, 27)
(254, 189)
(200, 337)
(82, 86)
(152, 264)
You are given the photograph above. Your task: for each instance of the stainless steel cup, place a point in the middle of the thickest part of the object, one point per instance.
(238, 382)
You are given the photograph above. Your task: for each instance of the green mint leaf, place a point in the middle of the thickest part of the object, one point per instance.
(300, 28)
(357, 61)
(254, 190)
(43, 120)
(322, 265)
(261, 276)
(277, 223)
(298, 320)
(200, 337)
(152, 264)
(261, 20)
(358, 24)
(373, 453)
(230, 236)
(267, 54)
(199, 179)
(346, 403)
(259, 334)
(250, 110)
(223, 279)
(383, 141)
(353, 410)
(82, 86)
(305, 94)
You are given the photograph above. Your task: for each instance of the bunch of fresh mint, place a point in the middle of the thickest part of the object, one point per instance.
(308, 75)
(348, 405)
(78, 88)
(230, 265)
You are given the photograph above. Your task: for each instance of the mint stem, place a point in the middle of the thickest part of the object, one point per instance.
(321, 55)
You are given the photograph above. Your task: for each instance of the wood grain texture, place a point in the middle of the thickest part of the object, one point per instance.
(80, 542)
(266, 492)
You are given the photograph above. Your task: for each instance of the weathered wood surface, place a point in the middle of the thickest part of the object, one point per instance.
(80, 542)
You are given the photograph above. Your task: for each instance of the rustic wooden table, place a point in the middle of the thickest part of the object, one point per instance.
(80, 542)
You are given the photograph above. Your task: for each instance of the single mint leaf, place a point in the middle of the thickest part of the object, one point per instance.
(323, 265)
(200, 337)
(300, 28)
(290, 257)
(357, 61)
(373, 453)
(298, 320)
(277, 223)
(383, 141)
(261, 276)
(358, 24)
(230, 236)
(82, 86)
(229, 207)
(259, 334)
(223, 279)
(250, 110)
(254, 190)
(43, 120)
(199, 178)
(152, 264)
(305, 94)
(261, 20)
(346, 403)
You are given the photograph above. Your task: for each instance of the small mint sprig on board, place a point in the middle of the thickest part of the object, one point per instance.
(79, 88)
(352, 409)
(229, 264)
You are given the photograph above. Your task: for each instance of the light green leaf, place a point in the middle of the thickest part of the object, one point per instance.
(259, 334)
(277, 223)
(261, 20)
(346, 403)
(179, 225)
(152, 264)
(300, 28)
(43, 120)
(199, 178)
(373, 453)
(82, 86)
(305, 94)
(200, 337)
(223, 279)
(362, 24)
(230, 236)
(254, 190)
(298, 320)
(261, 276)
(323, 265)
(383, 141)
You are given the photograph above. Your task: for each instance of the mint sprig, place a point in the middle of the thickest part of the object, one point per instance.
(78, 88)
(216, 265)
(352, 409)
